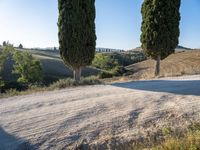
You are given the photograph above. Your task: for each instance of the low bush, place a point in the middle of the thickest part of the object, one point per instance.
(64, 83)
(61, 84)
(105, 74)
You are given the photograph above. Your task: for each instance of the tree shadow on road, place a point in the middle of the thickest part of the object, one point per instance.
(10, 142)
(180, 87)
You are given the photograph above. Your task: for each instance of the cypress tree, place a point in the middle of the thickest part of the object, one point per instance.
(77, 36)
(160, 29)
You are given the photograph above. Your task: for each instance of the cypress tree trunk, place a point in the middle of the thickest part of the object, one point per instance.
(157, 66)
(77, 74)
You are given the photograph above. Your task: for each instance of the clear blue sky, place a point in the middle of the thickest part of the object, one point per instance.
(34, 23)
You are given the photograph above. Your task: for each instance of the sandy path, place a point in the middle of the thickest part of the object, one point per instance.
(61, 119)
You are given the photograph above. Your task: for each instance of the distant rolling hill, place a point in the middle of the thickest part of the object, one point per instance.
(53, 66)
(178, 49)
(181, 63)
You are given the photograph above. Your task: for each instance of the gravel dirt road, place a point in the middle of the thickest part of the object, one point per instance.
(62, 119)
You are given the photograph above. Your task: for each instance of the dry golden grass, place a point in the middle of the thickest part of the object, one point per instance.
(182, 63)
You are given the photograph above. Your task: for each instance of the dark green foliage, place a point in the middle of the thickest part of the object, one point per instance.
(111, 60)
(4, 54)
(20, 46)
(160, 27)
(128, 58)
(1, 68)
(27, 67)
(4, 43)
(109, 65)
(77, 36)
(105, 74)
(104, 61)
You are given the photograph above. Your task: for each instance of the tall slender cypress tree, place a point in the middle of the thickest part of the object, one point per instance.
(160, 29)
(77, 36)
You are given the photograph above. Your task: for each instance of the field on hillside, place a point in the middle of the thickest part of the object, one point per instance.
(180, 63)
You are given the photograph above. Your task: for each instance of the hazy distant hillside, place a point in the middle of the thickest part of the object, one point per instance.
(178, 49)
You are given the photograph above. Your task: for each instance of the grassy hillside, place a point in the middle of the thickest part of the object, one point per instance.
(53, 67)
(176, 64)
(181, 63)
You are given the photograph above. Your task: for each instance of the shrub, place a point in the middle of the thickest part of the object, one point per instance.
(20, 46)
(92, 80)
(64, 83)
(4, 53)
(118, 71)
(105, 74)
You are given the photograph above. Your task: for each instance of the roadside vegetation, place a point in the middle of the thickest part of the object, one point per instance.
(60, 84)
(189, 141)
(169, 139)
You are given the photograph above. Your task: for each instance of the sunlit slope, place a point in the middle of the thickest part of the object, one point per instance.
(176, 64)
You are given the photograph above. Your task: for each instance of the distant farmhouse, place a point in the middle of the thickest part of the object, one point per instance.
(108, 50)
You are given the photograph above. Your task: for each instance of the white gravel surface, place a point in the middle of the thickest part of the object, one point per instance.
(61, 119)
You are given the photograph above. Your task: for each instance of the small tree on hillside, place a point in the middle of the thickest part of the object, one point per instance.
(160, 28)
(5, 53)
(29, 68)
(2, 60)
(4, 43)
(20, 46)
(77, 36)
